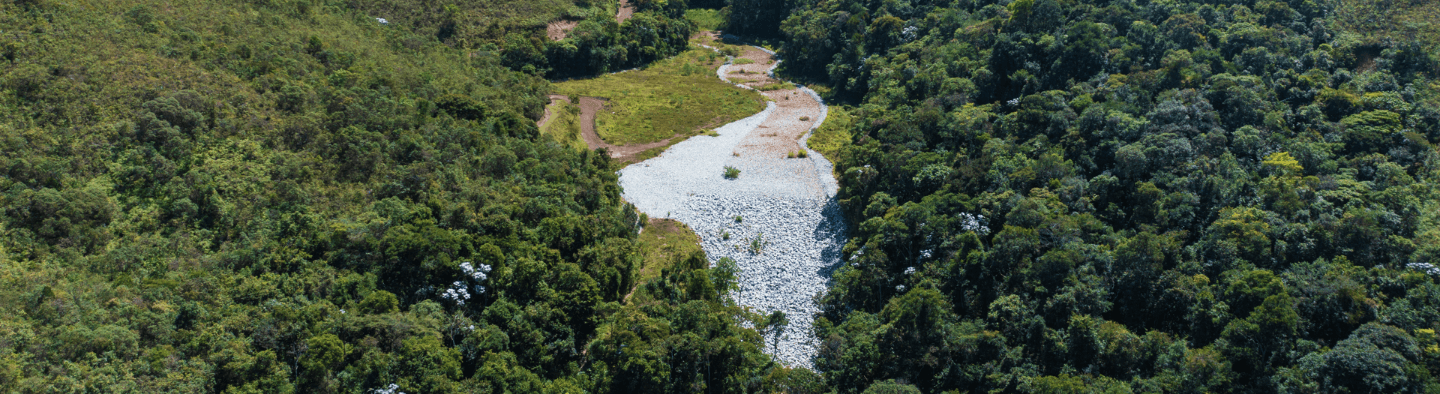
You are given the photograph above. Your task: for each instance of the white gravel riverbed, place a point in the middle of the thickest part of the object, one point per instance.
(787, 203)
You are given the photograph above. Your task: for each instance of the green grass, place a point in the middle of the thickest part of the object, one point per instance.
(776, 86)
(564, 125)
(680, 95)
(834, 134)
(663, 242)
(705, 19)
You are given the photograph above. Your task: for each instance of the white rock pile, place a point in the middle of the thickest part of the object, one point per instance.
(788, 238)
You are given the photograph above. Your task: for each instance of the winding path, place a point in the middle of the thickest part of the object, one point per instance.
(778, 220)
(589, 108)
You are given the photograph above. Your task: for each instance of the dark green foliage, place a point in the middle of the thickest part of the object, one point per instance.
(1057, 196)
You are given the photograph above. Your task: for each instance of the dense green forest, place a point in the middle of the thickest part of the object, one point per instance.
(1047, 196)
(278, 196)
(1129, 196)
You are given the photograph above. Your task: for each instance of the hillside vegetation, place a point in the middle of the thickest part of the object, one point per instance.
(292, 196)
(1180, 196)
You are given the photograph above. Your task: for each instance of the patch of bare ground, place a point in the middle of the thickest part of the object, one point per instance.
(626, 11)
(795, 114)
(558, 30)
(753, 70)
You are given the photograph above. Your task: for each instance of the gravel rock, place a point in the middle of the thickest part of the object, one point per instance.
(788, 210)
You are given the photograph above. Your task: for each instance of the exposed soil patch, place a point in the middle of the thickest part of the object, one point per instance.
(558, 30)
(752, 68)
(778, 136)
(626, 10)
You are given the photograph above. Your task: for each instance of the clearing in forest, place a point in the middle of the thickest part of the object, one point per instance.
(677, 97)
(562, 122)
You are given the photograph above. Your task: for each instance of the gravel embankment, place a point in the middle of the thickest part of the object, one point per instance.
(786, 203)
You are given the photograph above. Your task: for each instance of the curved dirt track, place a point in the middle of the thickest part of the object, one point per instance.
(789, 231)
(589, 108)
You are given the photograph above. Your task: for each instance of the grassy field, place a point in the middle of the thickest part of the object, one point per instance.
(705, 19)
(834, 134)
(564, 124)
(680, 95)
(662, 242)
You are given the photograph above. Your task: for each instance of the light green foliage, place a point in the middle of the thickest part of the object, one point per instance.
(776, 86)
(660, 101)
(662, 242)
(564, 125)
(731, 173)
(706, 19)
(834, 134)
(290, 196)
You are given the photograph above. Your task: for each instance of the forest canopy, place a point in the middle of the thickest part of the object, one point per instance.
(1046, 196)
(1130, 196)
(279, 196)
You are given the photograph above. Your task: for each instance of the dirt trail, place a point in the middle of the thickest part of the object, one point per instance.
(795, 114)
(589, 108)
(778, 136)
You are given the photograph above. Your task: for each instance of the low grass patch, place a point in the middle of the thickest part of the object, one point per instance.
(706, 18)
(834, 134)
(663, 242)
(680, 95)
(564, 125)
(776, 86)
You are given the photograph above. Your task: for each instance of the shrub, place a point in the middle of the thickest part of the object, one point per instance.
(731, 172)
(757, 245)
(802, 153)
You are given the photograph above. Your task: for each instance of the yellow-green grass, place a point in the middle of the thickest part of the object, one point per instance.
(834, 134)
(705, 19)
(776, 86)
(662, 243)
(564, 124)
(680, 95)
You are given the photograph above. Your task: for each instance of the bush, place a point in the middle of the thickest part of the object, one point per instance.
(731, 172)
